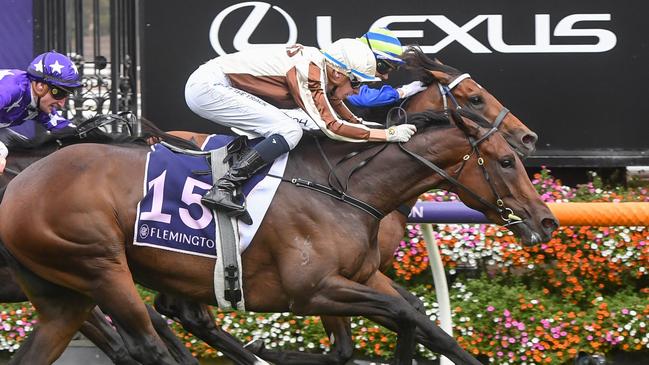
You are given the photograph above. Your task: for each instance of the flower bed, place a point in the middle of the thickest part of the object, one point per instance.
(585, 290)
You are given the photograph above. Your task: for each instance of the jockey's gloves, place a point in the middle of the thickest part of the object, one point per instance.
(400, 133)
(410, 89)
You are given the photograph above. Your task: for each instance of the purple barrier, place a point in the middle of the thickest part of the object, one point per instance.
(444, 212)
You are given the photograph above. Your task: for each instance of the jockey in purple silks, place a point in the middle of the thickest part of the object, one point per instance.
(37, 94)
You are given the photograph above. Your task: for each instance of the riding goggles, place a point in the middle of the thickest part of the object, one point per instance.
(384, 67)
(58, 93)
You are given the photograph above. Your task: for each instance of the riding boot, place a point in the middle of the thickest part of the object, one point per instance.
(222, 194)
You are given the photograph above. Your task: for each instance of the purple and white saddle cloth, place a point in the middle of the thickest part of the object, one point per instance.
(170, 215)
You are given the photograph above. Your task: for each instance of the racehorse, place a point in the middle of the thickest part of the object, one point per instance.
(25, 151)
(447, 88)
(313, 256)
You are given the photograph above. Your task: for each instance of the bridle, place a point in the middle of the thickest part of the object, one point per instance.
(126, 119)
(446, 92)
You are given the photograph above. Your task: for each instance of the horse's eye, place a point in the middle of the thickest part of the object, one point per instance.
(507, 163)
(476, 100)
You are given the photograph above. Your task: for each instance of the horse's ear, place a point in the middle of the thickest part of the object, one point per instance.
(442, 77)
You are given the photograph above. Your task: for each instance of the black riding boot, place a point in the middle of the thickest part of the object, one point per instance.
(221, 195)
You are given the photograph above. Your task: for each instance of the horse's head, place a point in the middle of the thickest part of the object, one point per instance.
(484, 171)
(450, 88)
(493, 171)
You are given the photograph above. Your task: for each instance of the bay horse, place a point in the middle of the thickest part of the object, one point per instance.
(447, 88)
(27, 149)
(85, 250)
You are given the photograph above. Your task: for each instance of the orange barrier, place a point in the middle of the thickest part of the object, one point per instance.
(601, 214)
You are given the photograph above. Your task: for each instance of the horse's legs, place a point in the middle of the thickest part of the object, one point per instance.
(118, 297)
(97, 329)
(410, 298)
(178, 351)
(338, 296)
(198, 319)
(427, 333)
(60, 316)
(339, 331)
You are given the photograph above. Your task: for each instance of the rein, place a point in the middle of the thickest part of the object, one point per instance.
(100, 120)
(340, 192)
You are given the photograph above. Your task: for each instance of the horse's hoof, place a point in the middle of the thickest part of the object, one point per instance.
(255, 346)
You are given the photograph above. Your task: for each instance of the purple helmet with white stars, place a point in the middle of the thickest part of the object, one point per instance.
(55, 69)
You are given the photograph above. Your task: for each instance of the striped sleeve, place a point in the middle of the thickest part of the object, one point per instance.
(306, 83)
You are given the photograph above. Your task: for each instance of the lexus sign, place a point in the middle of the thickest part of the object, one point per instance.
(573, 71)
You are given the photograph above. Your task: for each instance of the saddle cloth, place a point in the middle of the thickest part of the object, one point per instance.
(170, 215)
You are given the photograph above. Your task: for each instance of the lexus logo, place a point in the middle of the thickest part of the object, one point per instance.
(242, 38)
(412, 27)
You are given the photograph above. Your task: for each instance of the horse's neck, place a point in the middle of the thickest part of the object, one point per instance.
(390, 179)
(426, 99)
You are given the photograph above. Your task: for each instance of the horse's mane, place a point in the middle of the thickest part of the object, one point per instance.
(420, 65)
(426, 119)
(430, 118)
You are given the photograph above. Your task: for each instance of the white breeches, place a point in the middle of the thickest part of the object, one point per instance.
(4, 152)
(209, 94)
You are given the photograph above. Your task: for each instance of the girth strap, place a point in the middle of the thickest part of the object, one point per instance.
(404, 209)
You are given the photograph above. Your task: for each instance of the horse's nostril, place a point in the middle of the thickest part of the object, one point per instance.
(530, 139)
(550, 224)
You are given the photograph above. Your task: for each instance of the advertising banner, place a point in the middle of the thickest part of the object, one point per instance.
(16, 33)
(574, 71)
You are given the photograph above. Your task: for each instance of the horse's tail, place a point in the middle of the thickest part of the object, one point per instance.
(151, 132)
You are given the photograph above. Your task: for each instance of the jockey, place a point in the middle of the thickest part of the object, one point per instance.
(37, 94)
(387, 51)
(246, 90)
